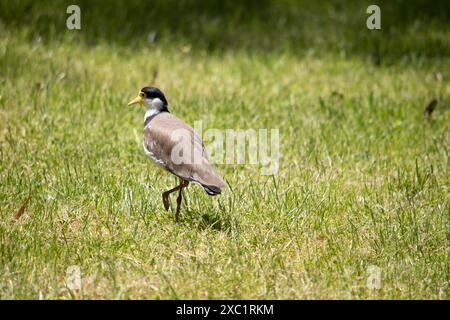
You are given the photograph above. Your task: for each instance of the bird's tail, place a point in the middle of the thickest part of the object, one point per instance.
(211, 190)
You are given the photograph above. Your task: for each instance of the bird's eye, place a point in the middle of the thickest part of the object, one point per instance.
(142, 95)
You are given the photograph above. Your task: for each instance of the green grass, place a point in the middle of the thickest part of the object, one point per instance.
(363, 180)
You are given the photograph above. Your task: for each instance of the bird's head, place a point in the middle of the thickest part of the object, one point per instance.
(151, 98)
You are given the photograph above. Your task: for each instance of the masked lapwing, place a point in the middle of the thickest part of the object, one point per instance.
(175, 146)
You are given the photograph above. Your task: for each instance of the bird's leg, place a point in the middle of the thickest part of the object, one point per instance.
(179, 198)
(165, 195)
(183, 184)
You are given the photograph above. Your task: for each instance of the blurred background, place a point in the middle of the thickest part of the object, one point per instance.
(410, 29)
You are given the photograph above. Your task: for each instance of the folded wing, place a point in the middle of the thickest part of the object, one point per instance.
(176, 147)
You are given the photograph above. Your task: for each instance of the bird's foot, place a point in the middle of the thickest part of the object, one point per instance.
(166, 203)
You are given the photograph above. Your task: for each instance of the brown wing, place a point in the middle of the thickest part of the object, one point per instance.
(175, 146)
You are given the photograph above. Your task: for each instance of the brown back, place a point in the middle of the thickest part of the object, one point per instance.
(176, 147)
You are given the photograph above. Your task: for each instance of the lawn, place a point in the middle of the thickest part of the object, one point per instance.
(363, 179)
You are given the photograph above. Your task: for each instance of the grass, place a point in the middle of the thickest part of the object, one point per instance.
(363, 180)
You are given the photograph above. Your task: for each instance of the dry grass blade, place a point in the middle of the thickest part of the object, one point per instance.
(431, 106)
(154, 76)
(21, 210)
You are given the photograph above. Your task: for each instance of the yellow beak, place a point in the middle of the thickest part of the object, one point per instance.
(138, 99)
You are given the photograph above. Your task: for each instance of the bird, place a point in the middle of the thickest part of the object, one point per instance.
(174, 146)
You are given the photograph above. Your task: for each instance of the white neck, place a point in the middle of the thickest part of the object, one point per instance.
(150, 113)
(154, 106)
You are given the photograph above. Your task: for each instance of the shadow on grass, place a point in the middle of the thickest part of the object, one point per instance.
(211, 218)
